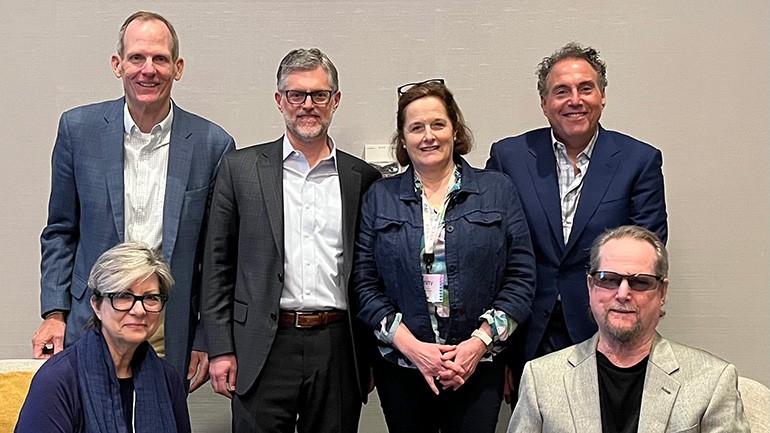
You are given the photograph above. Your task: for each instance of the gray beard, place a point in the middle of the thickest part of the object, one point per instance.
(624, 335)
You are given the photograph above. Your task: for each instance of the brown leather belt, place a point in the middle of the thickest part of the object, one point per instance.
(310, 319)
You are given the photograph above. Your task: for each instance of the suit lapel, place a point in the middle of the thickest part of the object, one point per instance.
(582, 388)
(542, 170)
(660, 389)
(270, 173)
(179, 160)
(604, 162)
(112, 138)
(350, 191)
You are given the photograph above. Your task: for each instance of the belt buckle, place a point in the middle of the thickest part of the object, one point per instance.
(297, 315)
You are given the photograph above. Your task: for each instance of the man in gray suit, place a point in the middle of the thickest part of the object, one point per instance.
(627, 377)
(276, 275)
(138, 168)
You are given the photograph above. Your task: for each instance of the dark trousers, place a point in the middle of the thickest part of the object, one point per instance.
(556, 336)
(308, 383)
(409, 405)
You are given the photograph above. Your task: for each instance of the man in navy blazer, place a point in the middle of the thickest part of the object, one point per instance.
(575, 180)
(136, 168)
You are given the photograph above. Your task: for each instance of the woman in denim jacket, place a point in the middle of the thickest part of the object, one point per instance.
(444, 272)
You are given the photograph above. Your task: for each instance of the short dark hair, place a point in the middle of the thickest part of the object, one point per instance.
(148, 16)
(572, 50)
(463, 142)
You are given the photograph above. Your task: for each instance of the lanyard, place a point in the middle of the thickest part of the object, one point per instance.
(433, 224)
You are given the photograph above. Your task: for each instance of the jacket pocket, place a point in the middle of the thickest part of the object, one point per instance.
(240, 312)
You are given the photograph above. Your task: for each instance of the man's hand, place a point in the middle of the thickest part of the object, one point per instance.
(198, 371)
(223, 369)
(51, 333)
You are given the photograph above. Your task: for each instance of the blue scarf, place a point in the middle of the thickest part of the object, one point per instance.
(100, 391)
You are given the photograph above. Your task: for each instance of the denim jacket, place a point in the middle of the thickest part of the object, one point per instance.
(489, 258)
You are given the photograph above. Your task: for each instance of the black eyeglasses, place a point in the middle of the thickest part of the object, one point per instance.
(636, 282)
(408, 86)
(125, 301)
(319, 97)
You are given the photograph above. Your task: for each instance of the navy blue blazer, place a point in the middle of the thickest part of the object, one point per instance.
(623, 185)
(85, 215)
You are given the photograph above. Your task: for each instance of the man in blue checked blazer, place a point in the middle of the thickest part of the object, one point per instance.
(138, 168)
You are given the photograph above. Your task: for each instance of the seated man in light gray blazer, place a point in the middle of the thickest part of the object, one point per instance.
(627, 377)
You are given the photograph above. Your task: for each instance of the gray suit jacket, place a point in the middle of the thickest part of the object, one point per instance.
(685, 390)
(85, 215)
(243, 264)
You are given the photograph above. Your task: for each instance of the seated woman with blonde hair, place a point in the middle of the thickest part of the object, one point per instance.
(111, 380)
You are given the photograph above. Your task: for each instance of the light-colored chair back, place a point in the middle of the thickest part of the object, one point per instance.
(756, 404)
(15, 377)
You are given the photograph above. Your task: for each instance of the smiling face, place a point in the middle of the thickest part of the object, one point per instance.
(428, 135)
(624, 316)
(308, 122)
(573, 102)
(146, 66)
(125, 330)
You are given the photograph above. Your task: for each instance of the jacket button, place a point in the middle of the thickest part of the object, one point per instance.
(451, 268)
(450, 229)
(280, 277)
(273, 316)
(453, 341)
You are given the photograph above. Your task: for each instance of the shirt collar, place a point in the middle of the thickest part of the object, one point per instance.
(586, 152)
(289, 153)
(164, 127)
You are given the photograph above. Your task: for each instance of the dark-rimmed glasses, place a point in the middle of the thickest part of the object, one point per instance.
(319, 97)
(125, 301)
(408, 86)
(636, 282)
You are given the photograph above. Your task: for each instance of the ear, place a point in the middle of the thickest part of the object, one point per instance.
(115, 62)
(278, 97)
(95, 307)
(663, 291)
(337, 97)
(542, 104)
(179, 69)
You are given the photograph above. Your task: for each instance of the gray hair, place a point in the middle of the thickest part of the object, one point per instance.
(307, 60)
(634, 232)
(572, 50)
(149, 16)
(123, 265)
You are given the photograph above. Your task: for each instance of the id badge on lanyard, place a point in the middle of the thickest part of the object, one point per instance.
(433, 224)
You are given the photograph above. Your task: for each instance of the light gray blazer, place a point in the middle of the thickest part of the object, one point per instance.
(685, 390)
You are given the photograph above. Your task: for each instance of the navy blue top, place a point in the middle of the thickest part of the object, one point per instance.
(54, 403)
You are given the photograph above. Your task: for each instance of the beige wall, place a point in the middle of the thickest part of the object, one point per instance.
(690, 77)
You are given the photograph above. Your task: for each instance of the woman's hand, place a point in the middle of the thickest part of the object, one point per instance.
(427, 357)
(463, 360)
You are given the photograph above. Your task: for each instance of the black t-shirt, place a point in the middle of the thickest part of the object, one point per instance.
(127, 401)
(620, 394)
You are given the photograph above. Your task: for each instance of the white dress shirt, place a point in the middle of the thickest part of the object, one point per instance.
(144, 177)
(312, 227)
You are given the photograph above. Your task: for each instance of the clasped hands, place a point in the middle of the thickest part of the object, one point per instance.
(448, 365)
